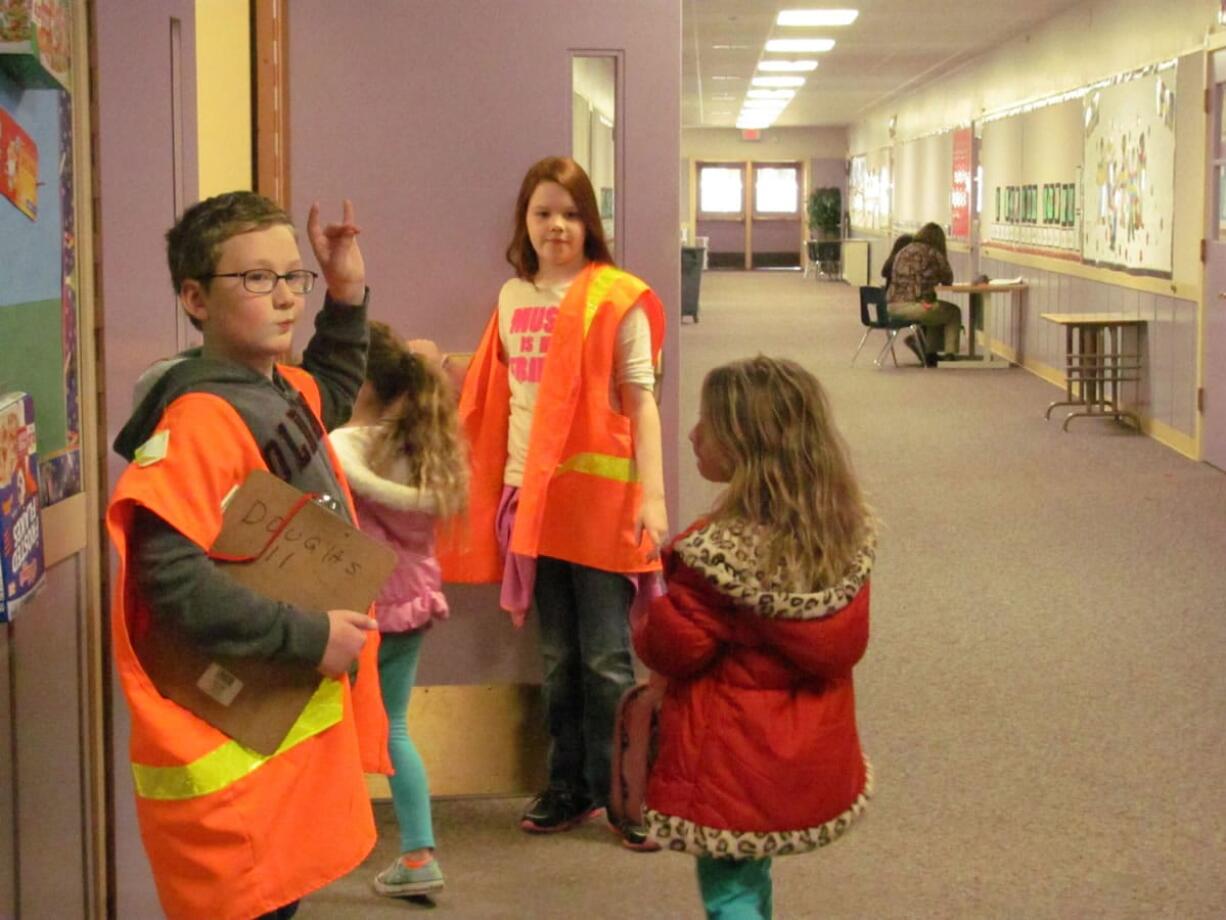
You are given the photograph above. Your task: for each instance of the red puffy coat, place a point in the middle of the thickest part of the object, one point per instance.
(758, 750)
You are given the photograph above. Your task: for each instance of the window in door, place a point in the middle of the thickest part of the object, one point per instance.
(721, 191)
(776, 191)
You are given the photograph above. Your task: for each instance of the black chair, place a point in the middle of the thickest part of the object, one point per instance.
(873, 315)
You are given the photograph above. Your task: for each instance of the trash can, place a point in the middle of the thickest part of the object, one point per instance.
(691, 279)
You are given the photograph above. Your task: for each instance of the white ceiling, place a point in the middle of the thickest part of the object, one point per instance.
(893, 47)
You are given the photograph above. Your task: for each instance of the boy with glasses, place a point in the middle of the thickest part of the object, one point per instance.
(232, 834)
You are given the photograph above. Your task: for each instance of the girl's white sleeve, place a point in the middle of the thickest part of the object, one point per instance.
(632, 354)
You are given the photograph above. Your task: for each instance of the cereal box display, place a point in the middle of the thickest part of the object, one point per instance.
(21, 552)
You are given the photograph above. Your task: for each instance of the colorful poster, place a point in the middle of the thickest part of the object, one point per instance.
(1128, 184)
(37, 36)
(18, 166)
(960, 195)
(21, 543)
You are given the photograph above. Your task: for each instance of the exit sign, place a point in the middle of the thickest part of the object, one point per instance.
(755, 134)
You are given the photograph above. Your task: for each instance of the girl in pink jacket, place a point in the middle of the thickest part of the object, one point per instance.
(766, 614)
(402, 454)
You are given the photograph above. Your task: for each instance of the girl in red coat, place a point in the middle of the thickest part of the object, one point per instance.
(765, 616)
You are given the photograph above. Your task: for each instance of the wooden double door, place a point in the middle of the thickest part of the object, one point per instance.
(750, 213)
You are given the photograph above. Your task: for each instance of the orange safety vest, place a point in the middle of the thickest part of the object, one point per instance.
(232, 834)
(580, 493)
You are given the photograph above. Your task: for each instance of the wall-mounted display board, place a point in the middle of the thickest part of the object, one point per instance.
(869, 187)
(923, 169)
(1031, 162)
(38, 299)
(1128, 182)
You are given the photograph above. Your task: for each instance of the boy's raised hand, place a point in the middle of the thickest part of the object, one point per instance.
(340, 259)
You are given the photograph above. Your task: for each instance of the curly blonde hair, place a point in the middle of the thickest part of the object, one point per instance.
(790, 472)
(422, 426)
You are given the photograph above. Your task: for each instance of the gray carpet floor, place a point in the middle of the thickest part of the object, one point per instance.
(1042, 696)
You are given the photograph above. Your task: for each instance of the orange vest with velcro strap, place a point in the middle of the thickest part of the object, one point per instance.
(580, 493)
(232, 834)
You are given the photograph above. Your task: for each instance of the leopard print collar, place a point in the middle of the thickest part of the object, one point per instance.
(724, 552)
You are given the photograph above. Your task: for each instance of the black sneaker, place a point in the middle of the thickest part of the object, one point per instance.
(634, 837)
(557, 810)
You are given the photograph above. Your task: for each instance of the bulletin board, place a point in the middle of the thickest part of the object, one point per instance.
(1129, 178)
(1031, 163)
(923, 172)
(869, 190)
(38, 299)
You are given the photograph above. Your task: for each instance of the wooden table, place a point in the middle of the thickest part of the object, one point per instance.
(1014, 288)
(1098, 365)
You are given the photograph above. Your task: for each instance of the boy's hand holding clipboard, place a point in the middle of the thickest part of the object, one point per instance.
(281, 544)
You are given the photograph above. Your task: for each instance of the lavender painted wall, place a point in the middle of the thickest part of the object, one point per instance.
(50, 796)
(427, 116)
(137, 189)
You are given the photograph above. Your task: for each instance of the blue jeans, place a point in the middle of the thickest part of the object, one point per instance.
(735, 889)
(398, 654)
(585, 646)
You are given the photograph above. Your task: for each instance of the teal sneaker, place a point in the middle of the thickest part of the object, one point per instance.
(400, 880)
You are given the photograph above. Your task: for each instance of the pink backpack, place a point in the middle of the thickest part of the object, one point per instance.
(635, 732)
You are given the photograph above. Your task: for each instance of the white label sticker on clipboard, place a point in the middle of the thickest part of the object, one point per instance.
(219, 684)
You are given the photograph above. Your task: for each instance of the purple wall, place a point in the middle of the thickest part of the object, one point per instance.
(50, 795)
(141, 190)
(427, 115)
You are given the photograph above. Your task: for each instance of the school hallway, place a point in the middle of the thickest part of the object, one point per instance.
(1042, 694)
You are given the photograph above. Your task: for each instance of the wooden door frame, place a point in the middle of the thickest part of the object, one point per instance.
(270, 97)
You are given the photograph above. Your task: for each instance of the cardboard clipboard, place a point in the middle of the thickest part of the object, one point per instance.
(280, 543)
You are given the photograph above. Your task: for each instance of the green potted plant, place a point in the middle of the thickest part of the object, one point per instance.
(825, 223)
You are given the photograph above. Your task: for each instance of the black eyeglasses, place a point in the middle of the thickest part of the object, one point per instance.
(264, 280)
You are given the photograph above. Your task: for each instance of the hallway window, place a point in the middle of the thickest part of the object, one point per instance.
(721, 190)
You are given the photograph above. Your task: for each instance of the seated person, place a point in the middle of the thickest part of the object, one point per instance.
(887, 268)
(915, 272)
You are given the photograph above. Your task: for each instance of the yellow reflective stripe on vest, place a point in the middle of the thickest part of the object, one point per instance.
(606, 466)
(598, 292)
(231, 761)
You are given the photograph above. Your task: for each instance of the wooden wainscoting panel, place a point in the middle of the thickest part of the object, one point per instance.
(477, 740)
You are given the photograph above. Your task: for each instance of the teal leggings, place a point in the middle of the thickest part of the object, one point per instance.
(398, 653)
(735, 889)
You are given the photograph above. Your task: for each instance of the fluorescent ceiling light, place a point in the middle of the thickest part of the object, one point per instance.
(800, 44)
(731, 47)
(720, 77)
(770, 94)
(754, 124)
(788, 66)
(768, 105)
(778, 81)
(816, 17)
